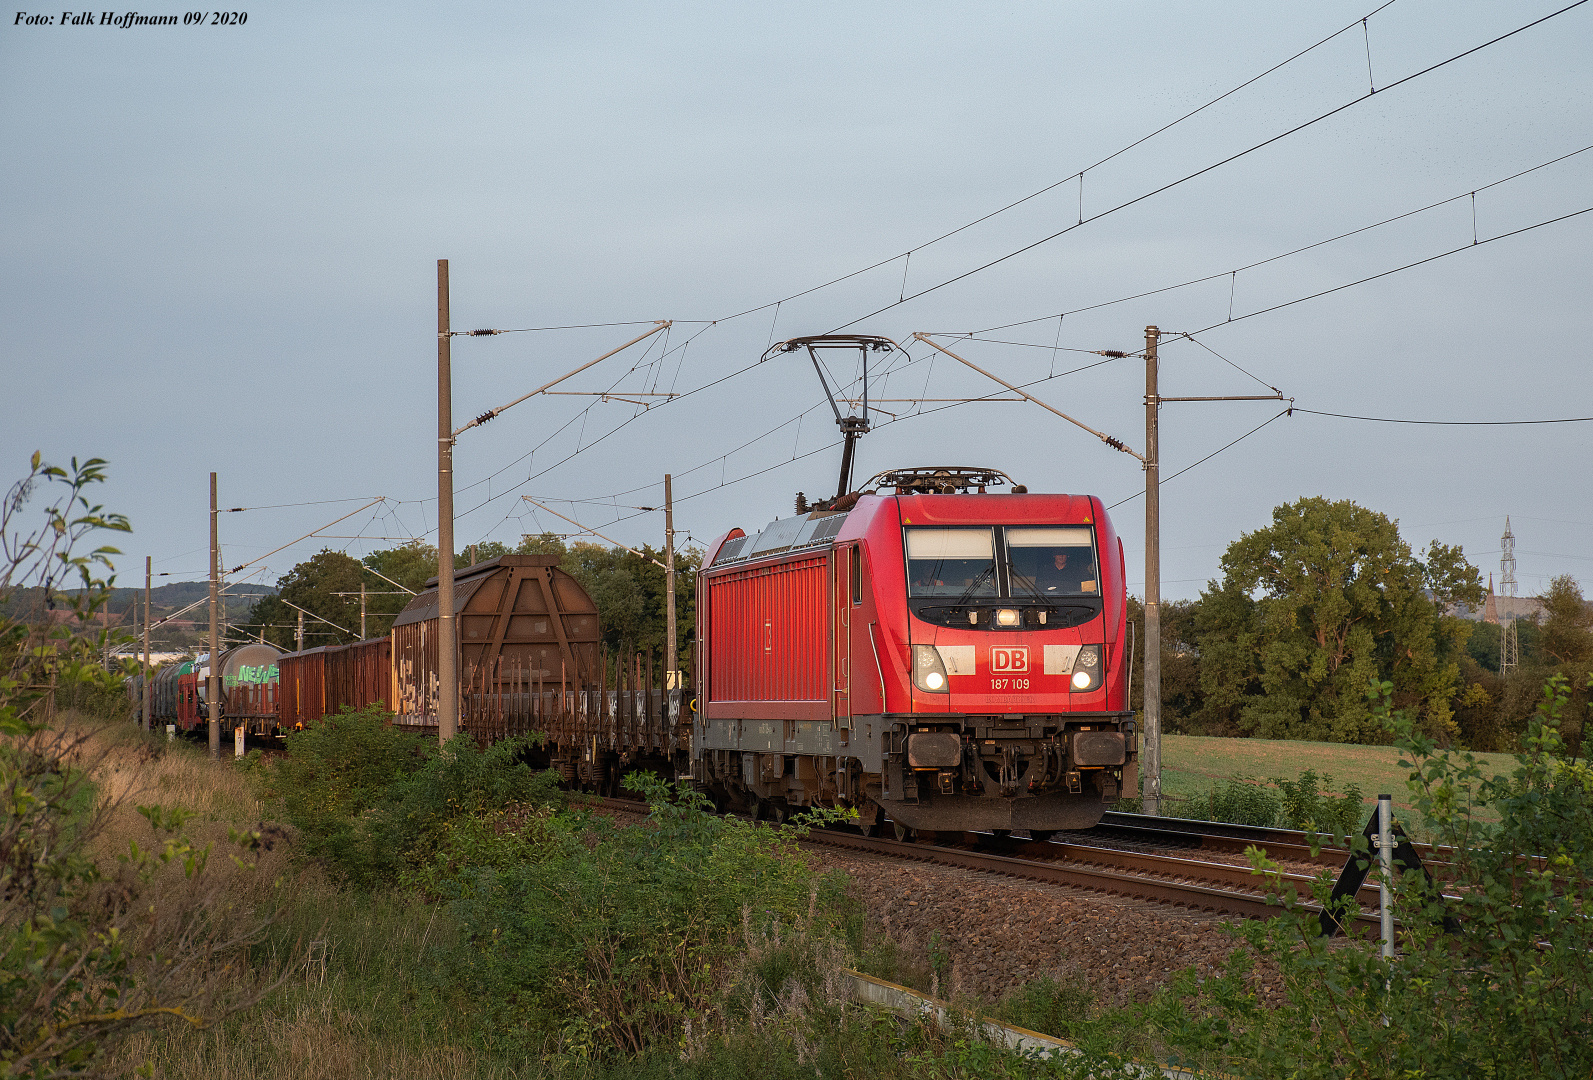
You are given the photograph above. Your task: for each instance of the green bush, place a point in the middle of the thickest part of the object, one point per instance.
(1508, 993)
(617, 938)
(1241, 800)
(375, 801)
(1306, 807)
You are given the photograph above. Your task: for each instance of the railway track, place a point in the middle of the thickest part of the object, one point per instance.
(1282, 844)
(1196, 884)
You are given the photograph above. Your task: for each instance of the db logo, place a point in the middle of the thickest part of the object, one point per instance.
(1010, 659)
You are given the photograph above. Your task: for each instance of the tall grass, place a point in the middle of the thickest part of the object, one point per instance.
(365, 998)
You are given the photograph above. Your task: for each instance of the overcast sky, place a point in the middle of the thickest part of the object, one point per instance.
(220, 251)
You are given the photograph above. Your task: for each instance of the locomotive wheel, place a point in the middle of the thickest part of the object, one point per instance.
(1042, 835)
(903, 833)
(876, 827)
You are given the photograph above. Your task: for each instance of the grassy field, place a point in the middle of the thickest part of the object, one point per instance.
(1191, 764)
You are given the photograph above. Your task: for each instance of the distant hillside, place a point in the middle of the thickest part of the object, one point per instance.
(180, 593)
(164, 599)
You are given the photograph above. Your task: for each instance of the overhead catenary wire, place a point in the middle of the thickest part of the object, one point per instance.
(1233, 273)
(279, 506)
(907, 254)
(588, 445)
(1069, 178)
(571, 326)
(1398, 269)
(1449, 423)
(1202, 461)
(491, 413)
(306, 536)
(1212, 167)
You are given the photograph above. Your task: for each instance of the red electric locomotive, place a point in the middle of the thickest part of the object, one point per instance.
(926, 650)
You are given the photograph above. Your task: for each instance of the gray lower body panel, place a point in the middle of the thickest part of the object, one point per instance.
(1056, 810)
(803, 737)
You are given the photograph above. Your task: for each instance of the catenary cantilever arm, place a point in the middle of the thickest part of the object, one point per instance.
(490, 413)
(594, 532)
(1115, 444)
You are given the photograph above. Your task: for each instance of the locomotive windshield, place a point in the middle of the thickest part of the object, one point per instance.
(1046, 563)
(959, 563)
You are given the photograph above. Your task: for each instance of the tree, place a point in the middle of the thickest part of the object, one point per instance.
(1181, 693)
(1565, 639)
(629, 592)
(87, 955)
(313, 585)
(1567, 634)
(1325, 600)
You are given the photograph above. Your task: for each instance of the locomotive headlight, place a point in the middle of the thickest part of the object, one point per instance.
(1006, 616)
(1087, 668)
(929, 671)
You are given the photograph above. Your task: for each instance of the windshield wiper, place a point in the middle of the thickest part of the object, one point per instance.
(974, 584)
(1032, 587)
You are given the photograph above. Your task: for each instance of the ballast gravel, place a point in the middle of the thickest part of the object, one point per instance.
(998, 933)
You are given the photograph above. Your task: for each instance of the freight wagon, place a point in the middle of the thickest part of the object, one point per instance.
(179, 692)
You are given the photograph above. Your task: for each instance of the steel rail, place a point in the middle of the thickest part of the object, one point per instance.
(1277, 849)
(1137, 886)
(1173, 865)
(1132, 883)
(1214, 834)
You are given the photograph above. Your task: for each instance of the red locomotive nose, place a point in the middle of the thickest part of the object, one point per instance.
(950, 658)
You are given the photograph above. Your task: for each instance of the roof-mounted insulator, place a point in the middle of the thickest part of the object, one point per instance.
(484, 333)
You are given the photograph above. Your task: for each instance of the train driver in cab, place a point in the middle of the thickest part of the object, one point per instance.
(1057, 577)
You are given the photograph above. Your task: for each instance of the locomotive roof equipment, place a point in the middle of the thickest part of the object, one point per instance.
(852, 426)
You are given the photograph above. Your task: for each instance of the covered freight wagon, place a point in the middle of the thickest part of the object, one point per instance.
(524, 627)
(321, 682)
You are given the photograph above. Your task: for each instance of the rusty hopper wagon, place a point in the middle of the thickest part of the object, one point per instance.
(530, 661)
(523, 625)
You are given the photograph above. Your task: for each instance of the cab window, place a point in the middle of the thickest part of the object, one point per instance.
(959, 563)
(1047, 563)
